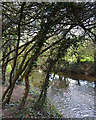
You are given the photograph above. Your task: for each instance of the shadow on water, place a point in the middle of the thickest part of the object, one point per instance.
(74, 98)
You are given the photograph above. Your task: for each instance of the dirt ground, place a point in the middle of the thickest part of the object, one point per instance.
(16, 97)
(28, 111)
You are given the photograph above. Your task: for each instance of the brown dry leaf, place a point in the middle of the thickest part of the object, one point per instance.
(28, 116)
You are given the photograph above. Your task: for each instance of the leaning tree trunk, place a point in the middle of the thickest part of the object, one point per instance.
(11, 87)
(4, 69)
(27, 86)
(3, 74)
(6, 91)
(95, 56)
(9, 94)
(43, 93)
(44, 89)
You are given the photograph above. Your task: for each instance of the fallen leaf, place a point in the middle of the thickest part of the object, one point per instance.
(28, 116)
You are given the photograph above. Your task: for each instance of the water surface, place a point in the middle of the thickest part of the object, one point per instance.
(73, 98)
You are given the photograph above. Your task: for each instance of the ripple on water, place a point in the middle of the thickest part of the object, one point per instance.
(72, 98)
(76, 101)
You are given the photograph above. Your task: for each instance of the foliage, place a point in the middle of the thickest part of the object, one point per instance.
(54, 30)
(85, 52)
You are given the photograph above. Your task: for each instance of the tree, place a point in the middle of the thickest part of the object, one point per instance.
(29, 27)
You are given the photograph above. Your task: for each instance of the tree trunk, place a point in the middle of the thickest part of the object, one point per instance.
(27, 86)
(44, 88)
(43, 93)
(95, 56)
(3, 74)
(3, 97)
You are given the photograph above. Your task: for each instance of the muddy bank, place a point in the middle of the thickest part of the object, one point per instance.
(83, 71)
(79, 76)
(86, 68)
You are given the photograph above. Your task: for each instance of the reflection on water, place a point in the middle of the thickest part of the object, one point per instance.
(73, 98)
(37, 78)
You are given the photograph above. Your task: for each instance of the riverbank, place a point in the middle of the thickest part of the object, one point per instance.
(78, 76)
(76, 71)
(82, 68)
(11, 110)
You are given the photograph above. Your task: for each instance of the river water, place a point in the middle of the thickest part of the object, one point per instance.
(73, 98)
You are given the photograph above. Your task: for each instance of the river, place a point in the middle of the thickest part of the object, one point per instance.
(73, 98)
